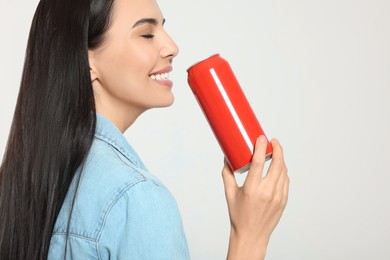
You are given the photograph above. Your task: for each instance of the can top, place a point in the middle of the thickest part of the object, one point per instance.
(216, 54)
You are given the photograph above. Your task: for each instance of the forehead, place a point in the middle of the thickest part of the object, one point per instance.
(133, 10)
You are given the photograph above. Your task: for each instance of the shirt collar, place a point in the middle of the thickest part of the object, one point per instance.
(109, 133)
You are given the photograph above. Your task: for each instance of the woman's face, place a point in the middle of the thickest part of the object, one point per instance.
(130, 70)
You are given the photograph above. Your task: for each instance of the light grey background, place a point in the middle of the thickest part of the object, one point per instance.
(317, 76)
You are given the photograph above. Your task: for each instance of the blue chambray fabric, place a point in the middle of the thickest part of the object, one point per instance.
(121, 211)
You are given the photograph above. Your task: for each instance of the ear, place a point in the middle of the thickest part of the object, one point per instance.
(92, 66)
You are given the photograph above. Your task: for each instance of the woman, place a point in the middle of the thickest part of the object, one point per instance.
(71, 187)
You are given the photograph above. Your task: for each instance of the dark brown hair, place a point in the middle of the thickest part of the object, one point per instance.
(53, 125)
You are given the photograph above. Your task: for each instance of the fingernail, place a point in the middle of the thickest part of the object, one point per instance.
(262, 139)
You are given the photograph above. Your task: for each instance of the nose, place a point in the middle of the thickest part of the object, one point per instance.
(169, 48)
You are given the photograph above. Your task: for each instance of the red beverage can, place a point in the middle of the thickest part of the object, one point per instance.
(227, 110)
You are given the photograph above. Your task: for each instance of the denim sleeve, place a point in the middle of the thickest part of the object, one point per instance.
(143, 223)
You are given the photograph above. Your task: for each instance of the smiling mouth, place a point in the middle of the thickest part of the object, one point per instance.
(162, 76)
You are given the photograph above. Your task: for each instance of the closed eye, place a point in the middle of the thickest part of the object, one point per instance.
(148, 36)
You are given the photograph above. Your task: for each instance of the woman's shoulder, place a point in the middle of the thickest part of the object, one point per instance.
(106, 176)
(114, 200)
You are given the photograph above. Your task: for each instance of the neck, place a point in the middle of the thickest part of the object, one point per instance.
(122, 117)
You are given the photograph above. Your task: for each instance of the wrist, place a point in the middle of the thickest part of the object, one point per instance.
(245, 247)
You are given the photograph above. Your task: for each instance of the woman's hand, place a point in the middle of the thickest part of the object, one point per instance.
(256, 207)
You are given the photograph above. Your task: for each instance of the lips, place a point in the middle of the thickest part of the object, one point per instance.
(162, 76)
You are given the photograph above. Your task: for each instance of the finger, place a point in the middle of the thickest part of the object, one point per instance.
(277, 164)
(258, 161)
(229, 180)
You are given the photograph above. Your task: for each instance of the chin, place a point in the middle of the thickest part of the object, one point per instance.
(167, 102)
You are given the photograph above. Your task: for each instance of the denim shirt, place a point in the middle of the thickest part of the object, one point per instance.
(120, 211)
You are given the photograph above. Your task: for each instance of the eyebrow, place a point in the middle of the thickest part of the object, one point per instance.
(151, 21)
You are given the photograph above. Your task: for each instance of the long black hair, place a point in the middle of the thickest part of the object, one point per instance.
(53, 125)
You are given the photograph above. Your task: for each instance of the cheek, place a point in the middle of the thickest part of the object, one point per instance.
(131, 62)
(124, 68)
(141, 59)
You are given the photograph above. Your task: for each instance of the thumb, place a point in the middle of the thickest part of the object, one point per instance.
(229, 180)
(257, 163)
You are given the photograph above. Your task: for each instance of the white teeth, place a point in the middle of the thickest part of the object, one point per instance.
(160, 76)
